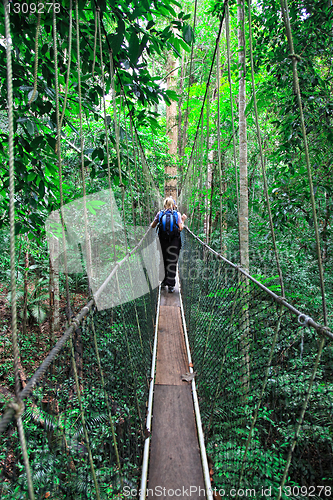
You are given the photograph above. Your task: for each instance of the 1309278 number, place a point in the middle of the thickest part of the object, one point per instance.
(34, 8)
(306, 491)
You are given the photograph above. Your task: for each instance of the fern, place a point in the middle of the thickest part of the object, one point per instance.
(40, 417)
(91, 424)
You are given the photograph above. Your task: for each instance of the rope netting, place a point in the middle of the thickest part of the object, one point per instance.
(264, 380)
(264, 370)
(84, 415)
(81, 416)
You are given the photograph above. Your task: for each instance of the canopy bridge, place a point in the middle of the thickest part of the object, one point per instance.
(86, 419)
(145, 389)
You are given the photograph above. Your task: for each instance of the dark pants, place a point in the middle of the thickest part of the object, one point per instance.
(170, 252)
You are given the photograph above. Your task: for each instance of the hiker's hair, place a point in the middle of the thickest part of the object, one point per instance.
(168, 203)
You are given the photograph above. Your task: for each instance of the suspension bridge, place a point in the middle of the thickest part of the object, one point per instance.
(145, 390)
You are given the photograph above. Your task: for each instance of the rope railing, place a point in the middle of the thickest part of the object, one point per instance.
(85, 406)
(303, 318)
(264, 381)
(76, 321)
(264, 384)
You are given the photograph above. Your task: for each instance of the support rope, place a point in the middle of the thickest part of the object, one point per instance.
(115, 69)
(106, 131)
(205, 96)
(58, 150)
(116, 125)
(69, 61)
(32, 98)
(295, 59)
(189, 79)
(78, 61)
(18, 405)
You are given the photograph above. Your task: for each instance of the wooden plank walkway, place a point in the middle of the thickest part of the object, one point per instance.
(175, 462)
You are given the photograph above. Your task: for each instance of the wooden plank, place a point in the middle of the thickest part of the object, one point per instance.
(175, 462)
(172, 361)
(170, 299)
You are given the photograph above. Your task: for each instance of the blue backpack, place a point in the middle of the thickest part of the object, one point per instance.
(168, 225)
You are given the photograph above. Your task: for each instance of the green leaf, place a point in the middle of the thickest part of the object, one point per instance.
(134, 49)
(36, 142)
(184, 45)
(31, 176)
(187, 33)
(91, 210)
(116, 40)
(38, 313)
(172, 94)
(30, 127)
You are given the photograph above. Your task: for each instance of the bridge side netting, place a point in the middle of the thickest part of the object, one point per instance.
(264, 382)
(86, 414)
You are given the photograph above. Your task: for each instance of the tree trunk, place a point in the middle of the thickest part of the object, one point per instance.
(210, 156)
(181, 85)
(243, 205)
(210, 168)
(211, 204)
(172, 130)
(223, 221)
(243, 201)
(223, 218)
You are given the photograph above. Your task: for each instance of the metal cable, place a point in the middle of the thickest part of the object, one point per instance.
(324, 330)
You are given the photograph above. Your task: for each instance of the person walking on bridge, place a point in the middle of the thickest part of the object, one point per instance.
(170, 223)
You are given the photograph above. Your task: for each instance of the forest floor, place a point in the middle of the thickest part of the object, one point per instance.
(34, 346)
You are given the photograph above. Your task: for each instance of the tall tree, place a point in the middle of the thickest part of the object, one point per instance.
(243, 199)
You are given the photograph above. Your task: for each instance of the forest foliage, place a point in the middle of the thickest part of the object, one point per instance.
(140, 35)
